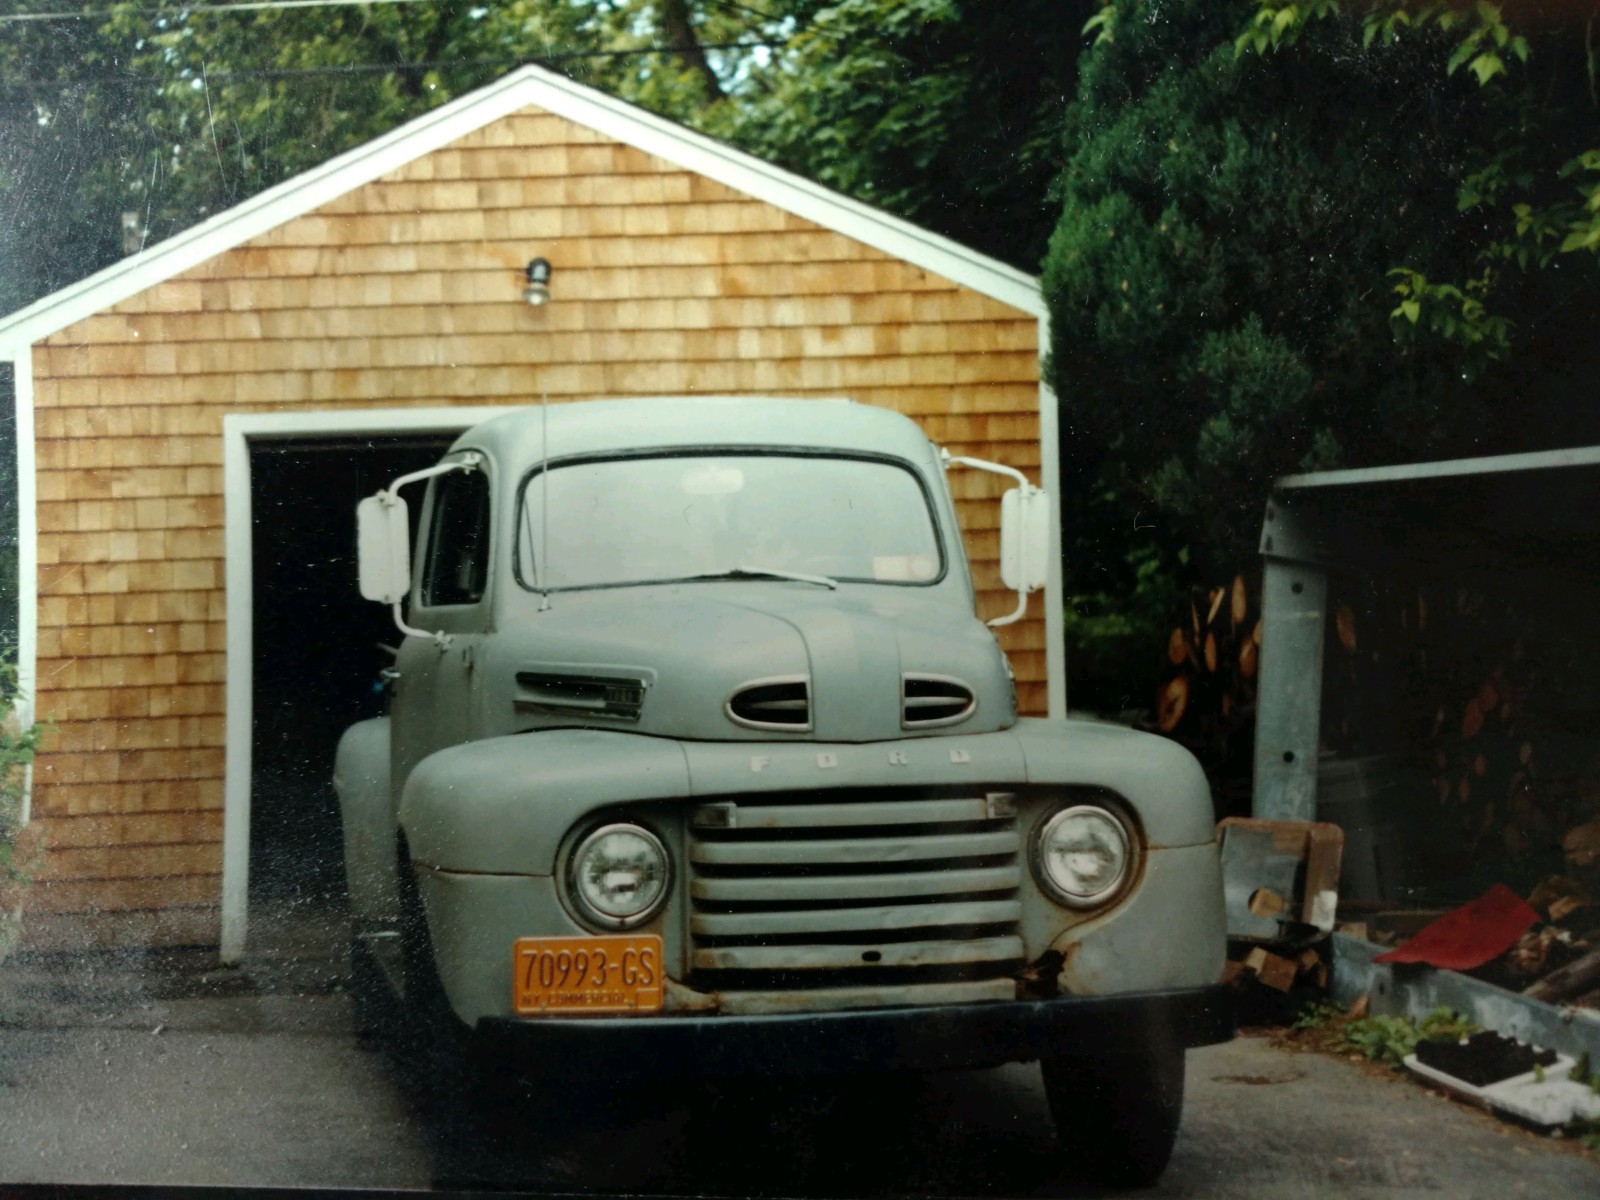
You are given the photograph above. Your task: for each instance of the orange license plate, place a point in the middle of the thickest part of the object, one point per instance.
(610, 974)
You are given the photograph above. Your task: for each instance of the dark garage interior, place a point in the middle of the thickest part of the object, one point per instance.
(317, 647)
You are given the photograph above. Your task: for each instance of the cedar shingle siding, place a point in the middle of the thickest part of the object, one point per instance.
(406, 291)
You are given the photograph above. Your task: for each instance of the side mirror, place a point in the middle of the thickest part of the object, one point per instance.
(383, 548)
(1024, 539)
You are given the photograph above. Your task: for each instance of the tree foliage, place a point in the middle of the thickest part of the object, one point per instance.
(1534, 174)
(943, 111)
(1268, 262)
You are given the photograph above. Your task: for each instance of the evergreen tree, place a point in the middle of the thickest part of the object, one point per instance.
(1274, 261)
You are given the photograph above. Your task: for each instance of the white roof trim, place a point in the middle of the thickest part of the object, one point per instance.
(1537, 460)
(556, 94)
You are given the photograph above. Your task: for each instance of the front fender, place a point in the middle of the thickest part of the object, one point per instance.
(361, 780)
(1161, 780)
(502, 805)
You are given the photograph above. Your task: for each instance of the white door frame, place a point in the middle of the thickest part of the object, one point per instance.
(238, 431)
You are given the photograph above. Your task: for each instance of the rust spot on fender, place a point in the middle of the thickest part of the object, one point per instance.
(681, 999)
(1040, 980)
(1071, 979)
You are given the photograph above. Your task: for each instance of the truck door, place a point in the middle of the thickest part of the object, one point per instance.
(437, 702)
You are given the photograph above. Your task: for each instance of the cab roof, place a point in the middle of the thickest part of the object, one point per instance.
(517, 439)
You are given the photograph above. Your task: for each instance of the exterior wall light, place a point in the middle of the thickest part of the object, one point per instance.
(538, 290)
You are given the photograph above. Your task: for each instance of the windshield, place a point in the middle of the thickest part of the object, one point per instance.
(650, 520)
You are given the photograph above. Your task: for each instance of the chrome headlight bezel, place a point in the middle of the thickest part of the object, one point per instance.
(581, 905)
(1122, 836)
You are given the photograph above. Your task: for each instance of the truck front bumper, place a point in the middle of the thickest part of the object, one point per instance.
(932, 1038)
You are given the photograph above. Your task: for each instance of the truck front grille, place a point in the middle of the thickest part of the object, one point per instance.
(869, 888)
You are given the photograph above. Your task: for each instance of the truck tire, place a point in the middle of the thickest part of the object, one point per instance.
(370, 1009)
(1117, 1117)
(432, 1032)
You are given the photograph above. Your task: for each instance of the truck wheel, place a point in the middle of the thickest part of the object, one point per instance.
(430, 1026)
(370, 1011)
(1117, 1117)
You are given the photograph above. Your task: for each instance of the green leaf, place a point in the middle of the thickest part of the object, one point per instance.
(1486, 66)
(1581, 239)
(1411, 310)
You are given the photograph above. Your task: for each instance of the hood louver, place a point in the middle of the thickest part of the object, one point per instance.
(580, 695)
(929, 701)
(777, 704)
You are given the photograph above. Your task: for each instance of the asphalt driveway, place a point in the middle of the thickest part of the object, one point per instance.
(169, 1070)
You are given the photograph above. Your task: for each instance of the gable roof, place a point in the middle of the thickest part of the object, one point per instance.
(530, 85)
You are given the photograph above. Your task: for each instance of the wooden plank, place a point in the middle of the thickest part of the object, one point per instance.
(532, 127)
(129, 766)
(134, 419)
(147, 733)
(132, 701)
(113, 829)
(158, 637)
(1033, 699)
(98, 929)
(423, 287)
(136, 608)
(112, 895)
(1028, 664)
(72, 798)
(163, 862)
(147, 670)
(489, 312)
(94, 704)
(585, 347)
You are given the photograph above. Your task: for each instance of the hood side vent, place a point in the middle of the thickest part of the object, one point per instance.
(930, 701)
(774, 704)
(580, 695)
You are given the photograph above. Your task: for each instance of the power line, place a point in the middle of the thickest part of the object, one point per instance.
(384, 68)
(236, 6)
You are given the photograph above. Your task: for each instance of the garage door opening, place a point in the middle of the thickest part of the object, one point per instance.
(316, 650)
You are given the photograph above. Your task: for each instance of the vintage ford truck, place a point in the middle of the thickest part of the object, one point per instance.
(698, 761)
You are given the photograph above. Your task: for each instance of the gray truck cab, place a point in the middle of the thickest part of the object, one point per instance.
(698, 757)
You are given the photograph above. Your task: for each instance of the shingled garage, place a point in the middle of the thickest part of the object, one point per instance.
(196, 422)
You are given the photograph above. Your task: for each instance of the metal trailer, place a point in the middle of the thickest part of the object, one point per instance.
(1526, 519)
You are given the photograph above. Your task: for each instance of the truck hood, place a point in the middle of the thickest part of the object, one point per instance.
(752, 660)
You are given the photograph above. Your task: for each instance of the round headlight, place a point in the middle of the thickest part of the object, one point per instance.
(1081, 855)
(618, 875)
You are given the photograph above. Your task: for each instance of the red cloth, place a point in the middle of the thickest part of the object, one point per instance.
(1471, 935)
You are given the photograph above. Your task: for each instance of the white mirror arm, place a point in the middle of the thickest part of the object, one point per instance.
(994, 468)
(437, 637)
(389, 495)
(470, 461)
(1014, 616)
(983, 464)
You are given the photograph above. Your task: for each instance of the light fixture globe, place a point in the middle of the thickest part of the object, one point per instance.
(537, 291)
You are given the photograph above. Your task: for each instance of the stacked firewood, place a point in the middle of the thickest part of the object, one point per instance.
(1207, 696)
(1480, 696)
(1468, 688)
(1485, 699)
(1214, 658)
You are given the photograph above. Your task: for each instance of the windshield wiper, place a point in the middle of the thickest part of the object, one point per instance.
(745, 572)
